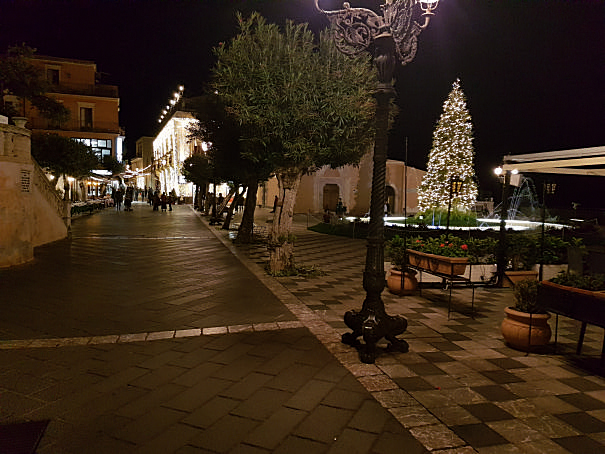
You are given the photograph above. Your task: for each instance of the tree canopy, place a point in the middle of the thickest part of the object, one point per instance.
(63, 155)
(300, 105)
(20, 78)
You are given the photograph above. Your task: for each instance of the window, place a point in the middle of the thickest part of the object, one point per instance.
(52, 76)
(99, 150)
(85, 117)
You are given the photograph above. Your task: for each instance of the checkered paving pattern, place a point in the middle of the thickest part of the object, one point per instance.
(460, 388)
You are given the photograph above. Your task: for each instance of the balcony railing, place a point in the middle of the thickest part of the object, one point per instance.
(107, 91)
(74, 125)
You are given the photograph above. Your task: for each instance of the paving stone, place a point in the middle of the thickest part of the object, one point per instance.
(223, 435)
(479, 435)
(275, 428)
(211, 412)
(324, 424)
(197, 395)
(262, 404)
(579, 444)
(148, 426)
(309, 395)
(302, 445)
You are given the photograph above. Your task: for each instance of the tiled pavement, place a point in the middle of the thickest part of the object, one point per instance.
(270, 380)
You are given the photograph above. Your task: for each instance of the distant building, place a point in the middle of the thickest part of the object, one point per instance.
(171, 147)
(321, 190)
(94, 114)
(94, 107)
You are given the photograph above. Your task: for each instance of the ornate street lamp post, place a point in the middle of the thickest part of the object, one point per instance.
(504, 176)
(394, 38)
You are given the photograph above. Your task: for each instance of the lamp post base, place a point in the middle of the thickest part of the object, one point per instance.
(373, 325)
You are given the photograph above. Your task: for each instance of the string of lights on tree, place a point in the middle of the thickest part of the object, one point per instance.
(451, 158)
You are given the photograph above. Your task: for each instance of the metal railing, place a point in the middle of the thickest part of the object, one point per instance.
(74, 125)
(106, 91)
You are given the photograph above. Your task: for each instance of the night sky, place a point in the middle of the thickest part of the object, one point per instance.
(533, 71)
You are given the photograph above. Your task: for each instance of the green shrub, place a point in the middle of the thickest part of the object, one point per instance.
(526, 296)
(592, 282)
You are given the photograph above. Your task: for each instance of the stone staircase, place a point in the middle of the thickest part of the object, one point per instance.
(32, 213)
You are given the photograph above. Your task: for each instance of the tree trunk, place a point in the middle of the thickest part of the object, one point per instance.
(245, 233)
(229, 216)
(281, 244)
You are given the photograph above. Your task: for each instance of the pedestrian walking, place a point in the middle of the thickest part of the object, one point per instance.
(119, 199)
(164, 201)
(156, 200)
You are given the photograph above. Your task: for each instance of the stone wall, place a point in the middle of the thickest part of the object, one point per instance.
(27, 218)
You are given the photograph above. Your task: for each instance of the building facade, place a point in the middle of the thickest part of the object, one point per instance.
(94, 108)
(170, 149)
(352, 185)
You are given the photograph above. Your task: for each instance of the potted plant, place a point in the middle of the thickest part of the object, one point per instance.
(401, 279)
(523, 252)
(526, 324)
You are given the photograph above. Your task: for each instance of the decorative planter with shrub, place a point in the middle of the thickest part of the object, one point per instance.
(526, 324)
(580, 297)
(402, 279)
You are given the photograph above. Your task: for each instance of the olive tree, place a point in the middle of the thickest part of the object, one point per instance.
(300, 105)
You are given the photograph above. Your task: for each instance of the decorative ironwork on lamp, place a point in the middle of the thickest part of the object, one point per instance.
(394, 36)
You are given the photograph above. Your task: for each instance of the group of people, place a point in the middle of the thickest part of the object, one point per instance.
(157, 200)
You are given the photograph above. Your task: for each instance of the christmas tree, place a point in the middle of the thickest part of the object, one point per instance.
(451, 159)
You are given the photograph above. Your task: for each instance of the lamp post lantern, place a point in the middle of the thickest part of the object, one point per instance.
(391, 37)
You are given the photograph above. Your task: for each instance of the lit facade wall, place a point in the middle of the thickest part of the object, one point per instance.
(170, 148)
(94, 108)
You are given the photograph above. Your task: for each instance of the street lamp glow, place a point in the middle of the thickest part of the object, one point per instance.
(498, 171)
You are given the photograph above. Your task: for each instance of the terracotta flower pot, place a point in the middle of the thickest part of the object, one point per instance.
(397, 287)
(516, 329)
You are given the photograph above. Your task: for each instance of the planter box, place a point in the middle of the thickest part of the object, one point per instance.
(451, 266)
(582, 305)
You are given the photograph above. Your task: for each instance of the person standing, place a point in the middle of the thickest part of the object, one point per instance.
(164, 201)
(119, 198)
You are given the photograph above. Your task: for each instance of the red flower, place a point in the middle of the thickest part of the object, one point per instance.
(450, 245)
(441, 245)
(464, 247)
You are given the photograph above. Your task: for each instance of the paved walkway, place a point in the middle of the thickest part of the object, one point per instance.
(150, 332)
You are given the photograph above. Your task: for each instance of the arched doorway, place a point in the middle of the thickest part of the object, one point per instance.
(390, 199)
(330, 197)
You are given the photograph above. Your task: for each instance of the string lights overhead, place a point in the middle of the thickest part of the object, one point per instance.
(172, 102)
